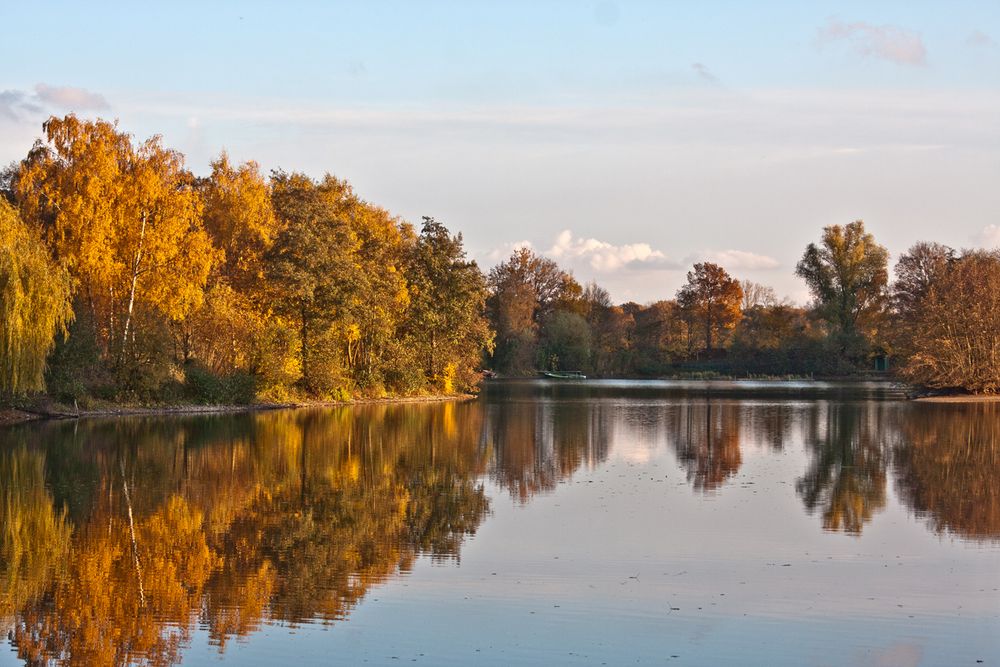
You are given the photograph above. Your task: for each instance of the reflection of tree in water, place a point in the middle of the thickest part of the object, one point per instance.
(706, 437)
(770, 424)
(846, 478)
(538, 444)
(237, 520)
(947, 467)
(34, 536)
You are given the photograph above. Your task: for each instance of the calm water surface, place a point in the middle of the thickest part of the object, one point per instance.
(544, 523)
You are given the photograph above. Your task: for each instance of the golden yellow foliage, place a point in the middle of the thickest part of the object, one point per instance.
(239, 217)
(34, 304)
(125, 220)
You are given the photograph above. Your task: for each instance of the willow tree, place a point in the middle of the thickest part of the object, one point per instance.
(124, 219)
(34, 304)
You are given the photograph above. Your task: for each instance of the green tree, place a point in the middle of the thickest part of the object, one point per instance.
(34, 304)
(446, 320)
(524, 290)
(371, 315)
(311, 273)
(566, 342)
(847, 275)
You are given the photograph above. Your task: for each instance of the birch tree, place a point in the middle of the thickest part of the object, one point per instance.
(124, 219)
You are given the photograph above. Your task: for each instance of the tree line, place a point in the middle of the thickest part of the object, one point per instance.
(123, 276)
(936, 322)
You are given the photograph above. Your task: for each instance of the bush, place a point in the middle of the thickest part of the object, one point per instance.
(74, 368)
(203, 386)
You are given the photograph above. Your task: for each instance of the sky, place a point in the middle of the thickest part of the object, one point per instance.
(626, 140)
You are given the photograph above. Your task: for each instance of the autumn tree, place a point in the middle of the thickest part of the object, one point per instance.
(524, 290)
(847, 275)
(232, 331)
(713, 299)
(124, 219)
(240, 219)
(446, 322)
(918, 270)
(660, 336)
(370, 317)
(951, 329)
(756, 295)
(34, 304)
(312, 274)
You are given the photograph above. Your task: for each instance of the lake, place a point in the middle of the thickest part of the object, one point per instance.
(545, 522)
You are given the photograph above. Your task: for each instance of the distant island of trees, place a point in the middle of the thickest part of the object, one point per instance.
(125, 278)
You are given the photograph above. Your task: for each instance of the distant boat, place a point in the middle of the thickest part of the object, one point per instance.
(563, 375)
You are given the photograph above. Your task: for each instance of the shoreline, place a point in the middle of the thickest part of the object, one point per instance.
(13, 416)
(959, 398)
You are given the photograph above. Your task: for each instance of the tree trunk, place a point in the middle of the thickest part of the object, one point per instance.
(137, 260)
(708, 330)
(305, 345)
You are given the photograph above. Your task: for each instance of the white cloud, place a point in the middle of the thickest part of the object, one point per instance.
(506, 250)
(988, 237)
(735, 260)
(592, 254)
(70, 98)
(887, 42)
(603, 256)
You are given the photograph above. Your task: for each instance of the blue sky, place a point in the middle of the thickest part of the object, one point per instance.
(625, 139)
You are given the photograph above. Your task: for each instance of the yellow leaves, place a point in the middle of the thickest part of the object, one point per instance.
(34, 538)
(125, 219)
(301, 528)
(448, 378)
(34, 304)
(239, 217)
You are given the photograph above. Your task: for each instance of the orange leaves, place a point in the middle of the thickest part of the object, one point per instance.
(124, 218)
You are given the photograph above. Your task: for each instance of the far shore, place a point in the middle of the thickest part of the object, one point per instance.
(10, 416)
(959, 398)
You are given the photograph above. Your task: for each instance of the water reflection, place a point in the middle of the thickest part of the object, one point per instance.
(947, 467)
(230, 522)
(120, 538)
(539, 443)
(707, 441)
(845, 481)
